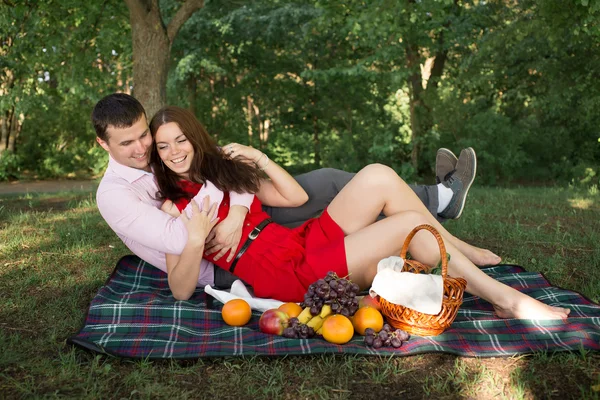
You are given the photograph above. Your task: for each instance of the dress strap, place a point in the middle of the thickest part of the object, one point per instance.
(251, 236)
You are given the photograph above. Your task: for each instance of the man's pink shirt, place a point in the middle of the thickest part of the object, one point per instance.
(126, 200)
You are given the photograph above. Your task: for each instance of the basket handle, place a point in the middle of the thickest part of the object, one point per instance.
(439, 239)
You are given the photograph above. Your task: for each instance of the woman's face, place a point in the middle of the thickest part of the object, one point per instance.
(174, 149)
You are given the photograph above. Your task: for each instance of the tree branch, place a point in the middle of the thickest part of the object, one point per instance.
(438, 65)
(182, 15)
(440, 58)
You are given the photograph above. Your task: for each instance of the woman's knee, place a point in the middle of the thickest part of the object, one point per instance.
(379, 174)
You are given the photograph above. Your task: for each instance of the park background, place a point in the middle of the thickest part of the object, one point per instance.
(313, 84)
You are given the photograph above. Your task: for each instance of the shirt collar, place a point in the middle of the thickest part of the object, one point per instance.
(127, 173)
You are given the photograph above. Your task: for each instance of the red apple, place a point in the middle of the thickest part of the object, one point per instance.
(273, 321)
(368, 301)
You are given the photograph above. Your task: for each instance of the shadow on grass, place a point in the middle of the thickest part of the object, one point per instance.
(52, 265)
(558, 375)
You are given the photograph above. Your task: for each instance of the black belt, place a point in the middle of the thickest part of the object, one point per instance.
(251, 236)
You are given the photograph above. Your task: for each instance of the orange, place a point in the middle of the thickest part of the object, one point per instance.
(291, 309)
(337, 329)
(367, 317)
(236, 312)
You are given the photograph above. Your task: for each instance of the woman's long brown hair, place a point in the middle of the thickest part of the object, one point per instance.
(208, 162)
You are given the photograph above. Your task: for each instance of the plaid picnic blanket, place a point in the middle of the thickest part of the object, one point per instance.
(134, 315)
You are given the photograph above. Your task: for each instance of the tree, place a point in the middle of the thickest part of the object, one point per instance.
(152, 41)
(54, 63)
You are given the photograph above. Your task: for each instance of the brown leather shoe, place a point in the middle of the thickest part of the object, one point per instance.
(445, 164)
(460, 182)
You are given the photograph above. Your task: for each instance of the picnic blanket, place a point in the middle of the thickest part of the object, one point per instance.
(134, 315)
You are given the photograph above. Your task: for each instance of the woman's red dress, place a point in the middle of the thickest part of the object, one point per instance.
(281, 262)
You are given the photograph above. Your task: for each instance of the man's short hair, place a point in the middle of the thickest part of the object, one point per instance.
(119, 110)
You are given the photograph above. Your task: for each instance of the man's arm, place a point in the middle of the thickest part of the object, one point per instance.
(138, 218)
(241, 199)
(130, 216)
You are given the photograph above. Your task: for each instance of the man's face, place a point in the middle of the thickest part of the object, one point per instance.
(129, 146)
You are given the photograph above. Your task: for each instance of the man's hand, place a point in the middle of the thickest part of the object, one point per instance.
(226, 236)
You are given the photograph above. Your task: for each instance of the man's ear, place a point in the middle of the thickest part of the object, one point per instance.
(103, 144)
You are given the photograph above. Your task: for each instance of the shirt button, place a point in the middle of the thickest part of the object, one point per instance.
(247, 224)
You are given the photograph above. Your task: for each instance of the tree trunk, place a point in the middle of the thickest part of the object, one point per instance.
(423, 87)
(415, 102)
(265, 131)
(151, 53)
(7, 120)
(3, 132)
(152, 42)
(249, 111)
(316, 141)
(15, 129)
(192, 89)
(256, 113)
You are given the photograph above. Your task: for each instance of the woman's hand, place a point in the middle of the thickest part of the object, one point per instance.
(280, 190)
(201, 222)
(245, 154)
(226, 236)
(170, 208)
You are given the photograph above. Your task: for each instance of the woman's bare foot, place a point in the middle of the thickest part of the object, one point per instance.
(524, 307)
(476, 255)
(481, 257)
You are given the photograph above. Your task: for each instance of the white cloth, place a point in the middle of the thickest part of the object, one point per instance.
(420, 292)
(238, 291)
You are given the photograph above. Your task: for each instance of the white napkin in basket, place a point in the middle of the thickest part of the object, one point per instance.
(421, 292)
(238, 291)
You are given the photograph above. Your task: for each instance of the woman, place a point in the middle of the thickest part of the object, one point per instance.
(279, 262)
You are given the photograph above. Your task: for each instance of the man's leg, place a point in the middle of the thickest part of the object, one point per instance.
(323, 185)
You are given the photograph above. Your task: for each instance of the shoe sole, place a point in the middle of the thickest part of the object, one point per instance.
(470, 183)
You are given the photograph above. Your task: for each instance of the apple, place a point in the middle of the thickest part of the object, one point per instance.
(273, 321)
(368, 301)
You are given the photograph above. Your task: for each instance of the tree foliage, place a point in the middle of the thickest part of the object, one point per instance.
(58, 58)
(313, 83)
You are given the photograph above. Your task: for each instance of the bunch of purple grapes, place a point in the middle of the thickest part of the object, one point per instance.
(296, 330)
(386, 337)
(339, 293)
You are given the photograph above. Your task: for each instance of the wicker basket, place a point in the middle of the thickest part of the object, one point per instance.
(415, 322)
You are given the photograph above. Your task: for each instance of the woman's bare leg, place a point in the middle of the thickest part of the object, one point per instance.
(377, 188)
(365, 247)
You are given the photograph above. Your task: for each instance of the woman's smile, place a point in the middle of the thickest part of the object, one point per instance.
(179, 160)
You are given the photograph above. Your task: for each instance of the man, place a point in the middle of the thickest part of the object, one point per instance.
(126, 196)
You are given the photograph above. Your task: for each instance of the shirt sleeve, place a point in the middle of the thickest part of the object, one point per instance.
(144, 223)
(241, 199)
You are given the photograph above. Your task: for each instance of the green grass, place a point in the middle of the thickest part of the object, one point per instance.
(56, 251)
